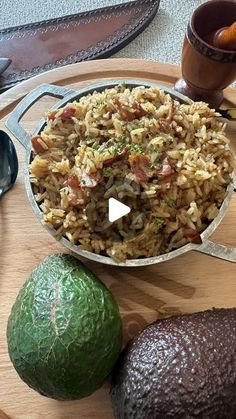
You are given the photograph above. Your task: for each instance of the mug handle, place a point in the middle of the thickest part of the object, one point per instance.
(13, 121)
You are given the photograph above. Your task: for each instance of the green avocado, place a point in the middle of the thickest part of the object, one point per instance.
(183, 367)
(64, 332)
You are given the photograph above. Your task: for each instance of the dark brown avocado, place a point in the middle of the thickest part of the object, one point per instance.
(183, 367)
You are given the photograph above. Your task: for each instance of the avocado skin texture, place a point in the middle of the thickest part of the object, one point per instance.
(64, 332)
(181, 367)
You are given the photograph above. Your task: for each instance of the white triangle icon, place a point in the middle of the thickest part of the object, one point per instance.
(116, 210)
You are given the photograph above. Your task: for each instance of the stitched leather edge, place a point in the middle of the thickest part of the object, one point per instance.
(89, 13)
(102, 49)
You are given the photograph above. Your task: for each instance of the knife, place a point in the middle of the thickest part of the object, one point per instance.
(43, 46)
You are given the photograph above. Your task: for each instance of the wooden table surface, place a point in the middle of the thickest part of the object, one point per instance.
(186, 284)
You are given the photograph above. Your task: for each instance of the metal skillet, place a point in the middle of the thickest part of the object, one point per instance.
(67, 95)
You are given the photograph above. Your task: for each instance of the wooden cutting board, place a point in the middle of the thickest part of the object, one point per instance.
(189, 283)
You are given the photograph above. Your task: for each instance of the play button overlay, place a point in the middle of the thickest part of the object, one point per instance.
(116, 210)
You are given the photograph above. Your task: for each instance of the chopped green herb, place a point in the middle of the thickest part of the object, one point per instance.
(83, 181)
(156, 164)
(117, 149)
(65, 189)
(168, 139)
(96, 146)
(124, 138)
(171, 202)
(153, 148)
(135, 125)
(110, 150)
(107, 171)
(137, 148)
(123, 84)
(89, 138)
(159, 222)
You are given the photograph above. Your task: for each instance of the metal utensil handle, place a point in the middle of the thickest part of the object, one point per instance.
(218, 251)
(13, 121)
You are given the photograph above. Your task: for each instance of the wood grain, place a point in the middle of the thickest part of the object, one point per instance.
(190, 283)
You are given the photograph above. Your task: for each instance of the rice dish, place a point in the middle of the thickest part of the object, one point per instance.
(169, 162)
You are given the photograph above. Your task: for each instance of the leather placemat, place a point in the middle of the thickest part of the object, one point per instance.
(39, 47)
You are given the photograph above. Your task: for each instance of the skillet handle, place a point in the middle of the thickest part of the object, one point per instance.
(13, 121)
(217, 250)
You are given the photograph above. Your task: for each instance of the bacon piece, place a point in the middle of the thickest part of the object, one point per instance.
(90, 180)
(37, 145)
(38, 148)
(52, 115)
(116, 157)
(72, 181)
(166, 169)
(140, 173)
(165, 123)
(130, 113)
(108, 162)
(77, 194)
(67, 114)
(138, 164)
(192, 235)
(139, 112)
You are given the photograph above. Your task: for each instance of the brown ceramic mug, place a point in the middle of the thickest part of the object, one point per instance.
(207, 70)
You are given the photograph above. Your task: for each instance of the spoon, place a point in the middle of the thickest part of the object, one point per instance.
(8, 163)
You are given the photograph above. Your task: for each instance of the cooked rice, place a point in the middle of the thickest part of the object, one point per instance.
(169, 162)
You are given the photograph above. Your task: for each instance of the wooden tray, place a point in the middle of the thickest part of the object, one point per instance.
(189, 283)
